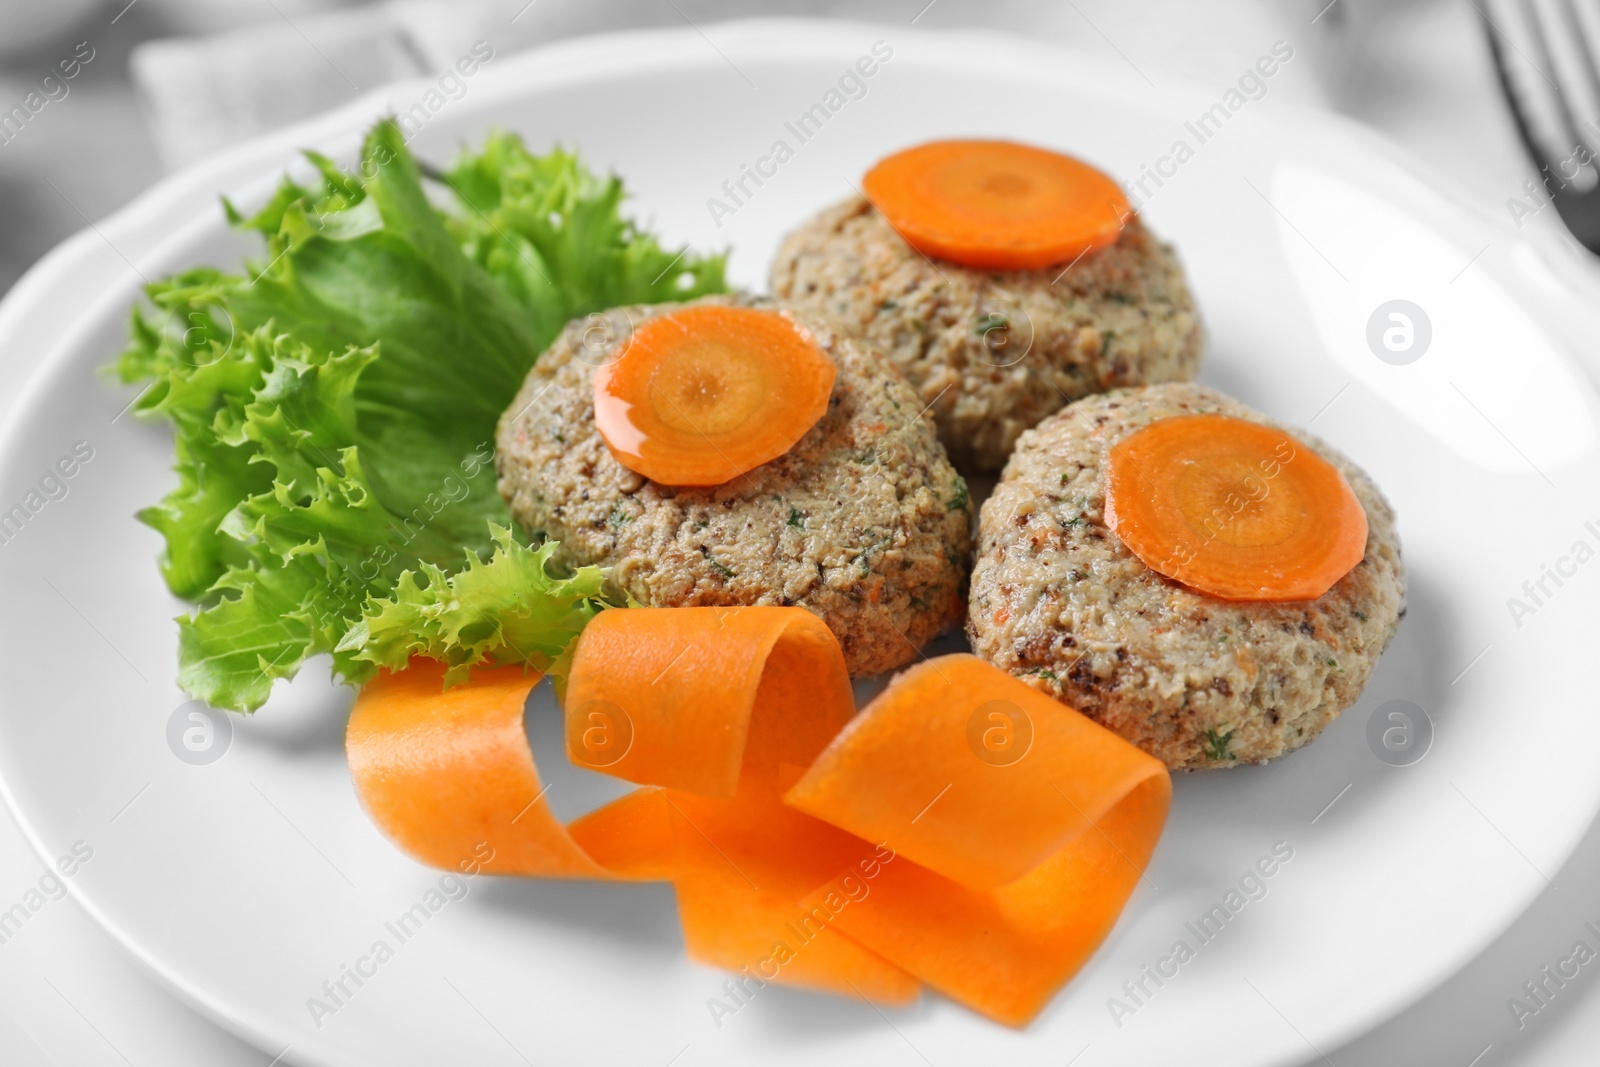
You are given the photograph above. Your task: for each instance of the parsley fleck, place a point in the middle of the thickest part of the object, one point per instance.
(1217, 745)
(962, 498)
(1045, 672)
(796, 519)
(719, 568)
(983, 324)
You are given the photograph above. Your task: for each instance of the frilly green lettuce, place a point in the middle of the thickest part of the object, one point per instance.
(334, 414)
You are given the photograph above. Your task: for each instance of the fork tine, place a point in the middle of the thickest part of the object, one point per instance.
(1578, 206)
(1591, 66)
(1497, 35)
(1546, 60)
(1508, 88)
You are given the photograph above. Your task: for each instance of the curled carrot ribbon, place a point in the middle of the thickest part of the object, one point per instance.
(963, 830)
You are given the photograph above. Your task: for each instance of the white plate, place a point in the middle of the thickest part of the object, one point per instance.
(246, 883)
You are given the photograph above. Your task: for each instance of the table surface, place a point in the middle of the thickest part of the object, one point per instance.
(1418, 71)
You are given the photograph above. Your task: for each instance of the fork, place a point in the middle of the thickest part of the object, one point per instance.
(1577, 201)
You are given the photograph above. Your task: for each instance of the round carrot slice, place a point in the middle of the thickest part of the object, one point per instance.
(702, 395)
(996, 205)
(1233, 509)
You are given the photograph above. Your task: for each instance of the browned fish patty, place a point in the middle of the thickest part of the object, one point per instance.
(1059, 602)
(864, 522)
(995, 352)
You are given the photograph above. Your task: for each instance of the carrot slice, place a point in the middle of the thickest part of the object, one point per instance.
(727, 706)
(687, 683)
(1233, 509)
(632, 836)
(964, 830)
(969, 772)
(996, 205)
(1004, 952)
(1022, 828)
(447, 773)
(743, 869)
(702, 395)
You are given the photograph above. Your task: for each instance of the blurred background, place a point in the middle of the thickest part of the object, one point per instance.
(172, 81)
(100, 100)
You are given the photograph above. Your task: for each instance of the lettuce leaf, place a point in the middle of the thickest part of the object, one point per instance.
(552, 233)
(334, 413)
(481, 614)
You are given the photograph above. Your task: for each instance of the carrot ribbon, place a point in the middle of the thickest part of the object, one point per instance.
(963, 830)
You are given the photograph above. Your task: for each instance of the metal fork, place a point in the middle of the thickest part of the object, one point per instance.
(1576, 195)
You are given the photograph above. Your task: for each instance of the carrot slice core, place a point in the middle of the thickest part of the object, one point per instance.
(1233, 509)
(701, 395)
(996, 205)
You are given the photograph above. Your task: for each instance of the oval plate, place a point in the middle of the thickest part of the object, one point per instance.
(1312, 897)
